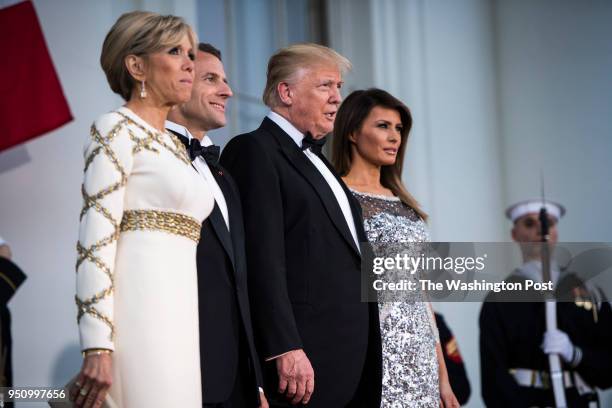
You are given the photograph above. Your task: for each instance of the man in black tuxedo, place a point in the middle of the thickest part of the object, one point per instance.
(231, 374)
(303, 229)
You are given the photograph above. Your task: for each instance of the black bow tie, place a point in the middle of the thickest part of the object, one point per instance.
(210, 154)
(315, 145)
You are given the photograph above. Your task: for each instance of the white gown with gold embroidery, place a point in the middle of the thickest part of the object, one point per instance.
(136, 270)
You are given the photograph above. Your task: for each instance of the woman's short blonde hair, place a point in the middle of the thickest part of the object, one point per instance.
(287, 63)
(138, 33)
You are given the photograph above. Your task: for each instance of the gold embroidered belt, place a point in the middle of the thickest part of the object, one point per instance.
(155, 220)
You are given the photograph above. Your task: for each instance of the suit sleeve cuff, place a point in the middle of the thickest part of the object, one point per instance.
(576, 357)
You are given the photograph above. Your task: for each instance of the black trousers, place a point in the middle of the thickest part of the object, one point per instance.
(238, 397)
(545, 398)
(242, 388)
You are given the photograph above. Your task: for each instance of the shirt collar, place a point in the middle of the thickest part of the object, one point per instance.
(287, 127)
(182, 130)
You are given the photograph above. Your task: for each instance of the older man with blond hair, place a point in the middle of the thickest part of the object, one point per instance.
(303, 229)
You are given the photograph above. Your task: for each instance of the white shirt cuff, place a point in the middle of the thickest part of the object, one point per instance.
(275, 357)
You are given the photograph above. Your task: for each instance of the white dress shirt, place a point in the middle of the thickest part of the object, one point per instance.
(200, 164)
(329, 177)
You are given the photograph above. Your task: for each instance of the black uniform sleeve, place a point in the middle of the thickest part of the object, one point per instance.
(454, 364)
(596, 364)
(11, 278)
(499, 388)
(257, 179)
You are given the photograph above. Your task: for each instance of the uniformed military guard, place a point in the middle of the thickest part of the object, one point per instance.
(11, 277)
(454, 362)
(514, 343)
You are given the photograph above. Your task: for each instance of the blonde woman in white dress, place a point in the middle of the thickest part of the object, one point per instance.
(143, 205)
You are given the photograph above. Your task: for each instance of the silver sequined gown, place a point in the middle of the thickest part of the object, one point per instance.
(410, 366)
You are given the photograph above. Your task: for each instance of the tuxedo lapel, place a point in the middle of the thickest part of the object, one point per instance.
(355, 207)
(217, 221)
(218, 224)
(232, 199)
(306, 168)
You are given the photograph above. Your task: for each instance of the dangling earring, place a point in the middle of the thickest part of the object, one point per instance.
(143, 91)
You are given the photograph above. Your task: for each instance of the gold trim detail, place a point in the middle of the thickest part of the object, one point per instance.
(9, 281)
(86, 307)
(93, 201)
(145, 143)
(174, 223)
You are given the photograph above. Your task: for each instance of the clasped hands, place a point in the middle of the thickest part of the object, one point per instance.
(295, 376)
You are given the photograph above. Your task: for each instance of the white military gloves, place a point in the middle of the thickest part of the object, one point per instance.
(558, 342)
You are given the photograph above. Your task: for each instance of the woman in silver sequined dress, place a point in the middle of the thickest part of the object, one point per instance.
(370, 136)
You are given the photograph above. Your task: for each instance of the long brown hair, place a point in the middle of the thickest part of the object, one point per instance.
(349, 119)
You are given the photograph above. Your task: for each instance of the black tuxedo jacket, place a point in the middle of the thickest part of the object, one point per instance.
(226, 333)
(304, 269)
